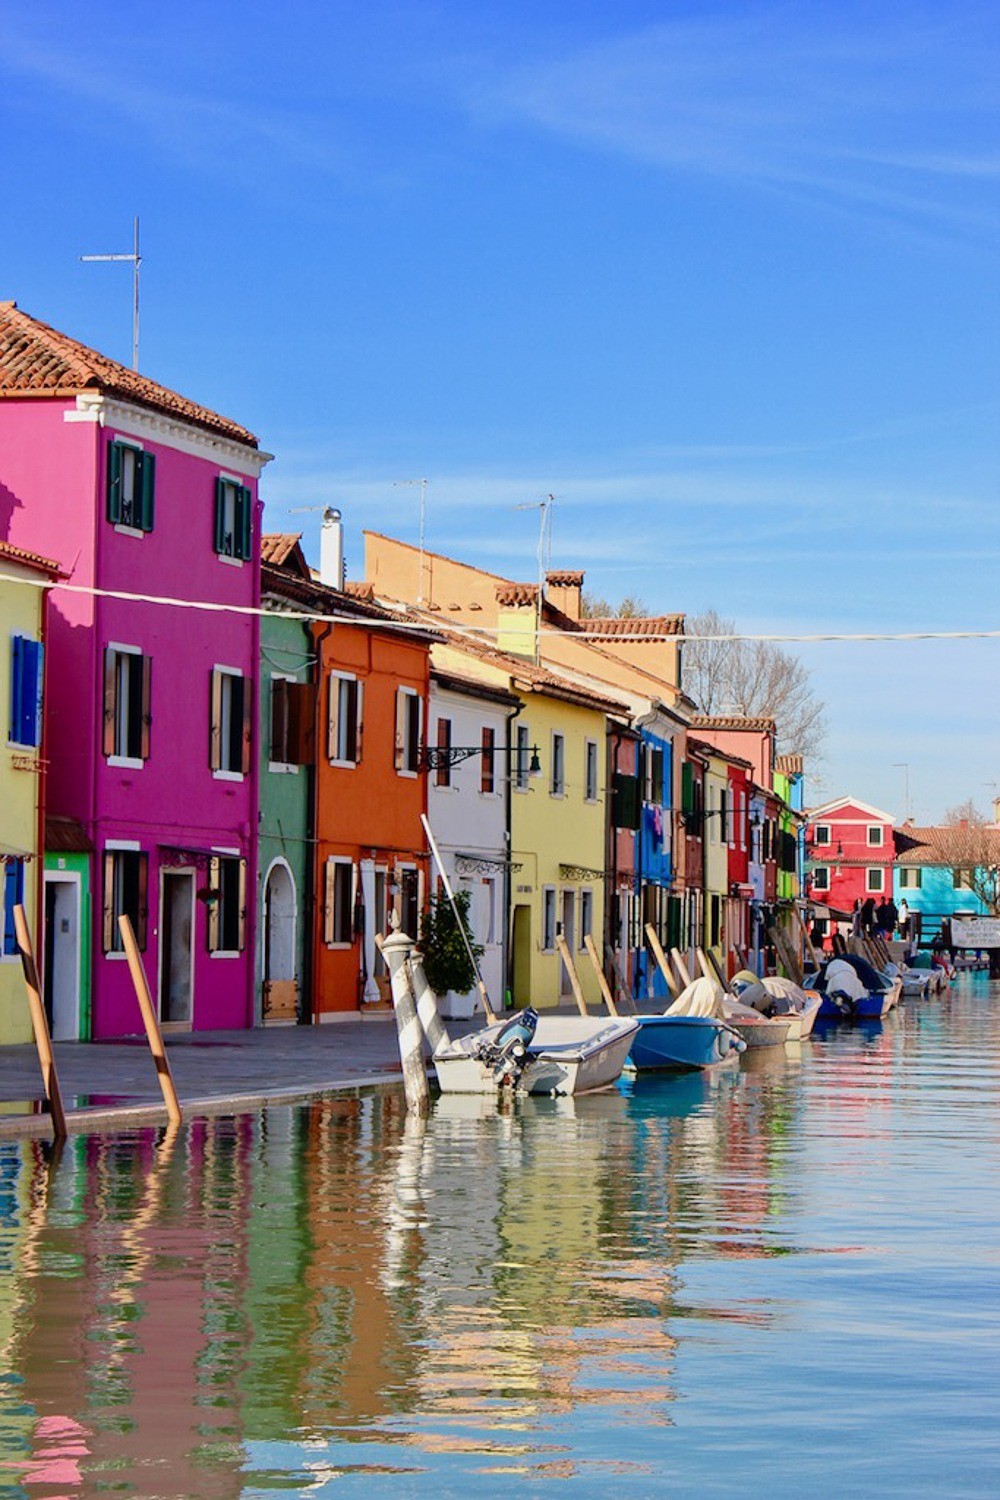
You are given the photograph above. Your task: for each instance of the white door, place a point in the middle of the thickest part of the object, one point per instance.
(62, 956)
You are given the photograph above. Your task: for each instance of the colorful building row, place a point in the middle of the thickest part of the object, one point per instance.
(236, 750)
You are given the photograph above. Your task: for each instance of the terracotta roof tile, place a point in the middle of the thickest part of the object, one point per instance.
(536, 679)
(519, 594)
(36, 360)
(762, 724)
(948, 845)
(359, 590)
(641, 625)
(277, 546)
(564, 578)
(30, 560)
(789, 765)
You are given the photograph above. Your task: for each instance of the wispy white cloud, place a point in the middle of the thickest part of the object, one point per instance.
(853, 105)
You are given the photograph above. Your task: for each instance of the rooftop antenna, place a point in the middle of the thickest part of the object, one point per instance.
(544, 507)
(423, 526)
(136, 260)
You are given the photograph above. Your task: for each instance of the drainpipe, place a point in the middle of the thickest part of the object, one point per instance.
(507, 961)
(310, 949)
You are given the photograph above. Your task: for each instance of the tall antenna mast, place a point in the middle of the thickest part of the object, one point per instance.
(544, 531)
(423, 527)
(136, 260)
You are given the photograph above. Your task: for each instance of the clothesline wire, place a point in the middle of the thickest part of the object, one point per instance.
(446, 627)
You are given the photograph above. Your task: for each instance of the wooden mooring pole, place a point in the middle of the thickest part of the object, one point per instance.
(149, 1019)
(40, 1025)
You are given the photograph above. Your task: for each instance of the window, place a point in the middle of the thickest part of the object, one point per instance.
(442, 774)
(522, 758)
(821, 878)
(131, 482)
(487, 776)
(346, 726)
(875, 878)
(408, 723)
(127, 680)
(227, 911)
(409, 900)
(291, 722)
(962, 878)
(590, 770)
(13, 895)
(724, 834)
(126, 881)
(338, 911)
(821, 833)
(230, 732)
(586, 915)
(875, 836)
(653, 768)
(911, 879)
(25, 718)
(233, 518)
(625, 804)
(557, 784)
(548, 918)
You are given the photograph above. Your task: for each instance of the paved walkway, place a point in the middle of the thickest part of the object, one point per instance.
(215, 1072)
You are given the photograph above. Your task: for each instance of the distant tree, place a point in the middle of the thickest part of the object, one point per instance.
(965, 812)
(593, 607)
(755, 678)
(974, 848)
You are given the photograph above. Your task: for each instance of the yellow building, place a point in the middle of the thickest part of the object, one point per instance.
(22, 615)
(558, 814)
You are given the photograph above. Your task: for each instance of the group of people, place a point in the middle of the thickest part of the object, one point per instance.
(882, 920)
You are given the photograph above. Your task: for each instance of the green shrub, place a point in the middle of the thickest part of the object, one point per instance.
(446, 959)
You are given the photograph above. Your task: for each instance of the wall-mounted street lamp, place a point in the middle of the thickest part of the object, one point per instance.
(433, 756)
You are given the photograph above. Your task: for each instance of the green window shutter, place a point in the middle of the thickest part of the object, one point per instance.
(147, 477)
(687, 787)
(220, 515)
(114, 483)
(244, 526)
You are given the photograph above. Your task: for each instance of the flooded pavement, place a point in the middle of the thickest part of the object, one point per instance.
(779, 1280)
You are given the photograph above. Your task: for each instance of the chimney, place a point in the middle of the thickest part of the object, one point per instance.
(563, 592)
(331, 549)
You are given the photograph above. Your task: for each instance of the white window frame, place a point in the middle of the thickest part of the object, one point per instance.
(591, 770)
(334, 862)
(491, 925)
(522, 758)
(352, 761)
(130, 762)
(822, 834)
(225, 773)
(409, 744)
(879, 871)
(875, 836)
(823, 870)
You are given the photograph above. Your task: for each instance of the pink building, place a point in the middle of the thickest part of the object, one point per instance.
(849, 854)
(150, 706)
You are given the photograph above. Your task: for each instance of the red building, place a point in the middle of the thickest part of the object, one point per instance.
(849, 854)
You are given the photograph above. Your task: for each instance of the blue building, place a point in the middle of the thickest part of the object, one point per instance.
(940, 872)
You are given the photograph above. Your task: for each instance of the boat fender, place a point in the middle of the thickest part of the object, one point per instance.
(506, 1054)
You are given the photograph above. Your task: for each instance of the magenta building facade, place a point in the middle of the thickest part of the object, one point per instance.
(151, 712)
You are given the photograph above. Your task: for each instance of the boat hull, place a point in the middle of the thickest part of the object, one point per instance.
(769, 1031)
(801, 1022)
(871, 1006)
(684, 1042)
(567, 1055)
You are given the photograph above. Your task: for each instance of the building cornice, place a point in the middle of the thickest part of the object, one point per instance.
(143, 423)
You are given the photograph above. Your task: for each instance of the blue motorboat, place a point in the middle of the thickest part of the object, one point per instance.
(851, 989)
(683, 1042)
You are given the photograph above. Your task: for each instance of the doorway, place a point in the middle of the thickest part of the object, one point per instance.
(280, 996)
(521, 951)
(176, 946)
(62, 956)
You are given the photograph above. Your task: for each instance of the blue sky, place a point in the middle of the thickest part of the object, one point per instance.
(724, 279)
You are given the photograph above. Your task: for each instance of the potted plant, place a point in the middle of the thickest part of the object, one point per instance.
(450, 971)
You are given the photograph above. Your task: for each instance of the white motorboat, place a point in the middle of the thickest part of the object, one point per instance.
(777, 996)
(564, 1055)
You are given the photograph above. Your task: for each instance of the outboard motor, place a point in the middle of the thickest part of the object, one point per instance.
(507, 1053)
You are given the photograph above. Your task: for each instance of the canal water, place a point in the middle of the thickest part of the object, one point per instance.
(781, 1280)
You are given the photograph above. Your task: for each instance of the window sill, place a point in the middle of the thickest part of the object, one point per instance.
(228, 776)
(230, 562)
(409, 775)
(226, 953)
(126, 762)
(282, 768)
(344, 765)
(124, 530)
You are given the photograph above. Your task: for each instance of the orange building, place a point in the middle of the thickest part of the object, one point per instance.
(371, 788)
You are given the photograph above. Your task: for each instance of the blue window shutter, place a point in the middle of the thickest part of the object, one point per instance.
(30, 685)
(147, 487)
(14, 718)
(39, 686)
(13, 895)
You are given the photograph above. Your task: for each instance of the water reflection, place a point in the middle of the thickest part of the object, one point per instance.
(272, 1302)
